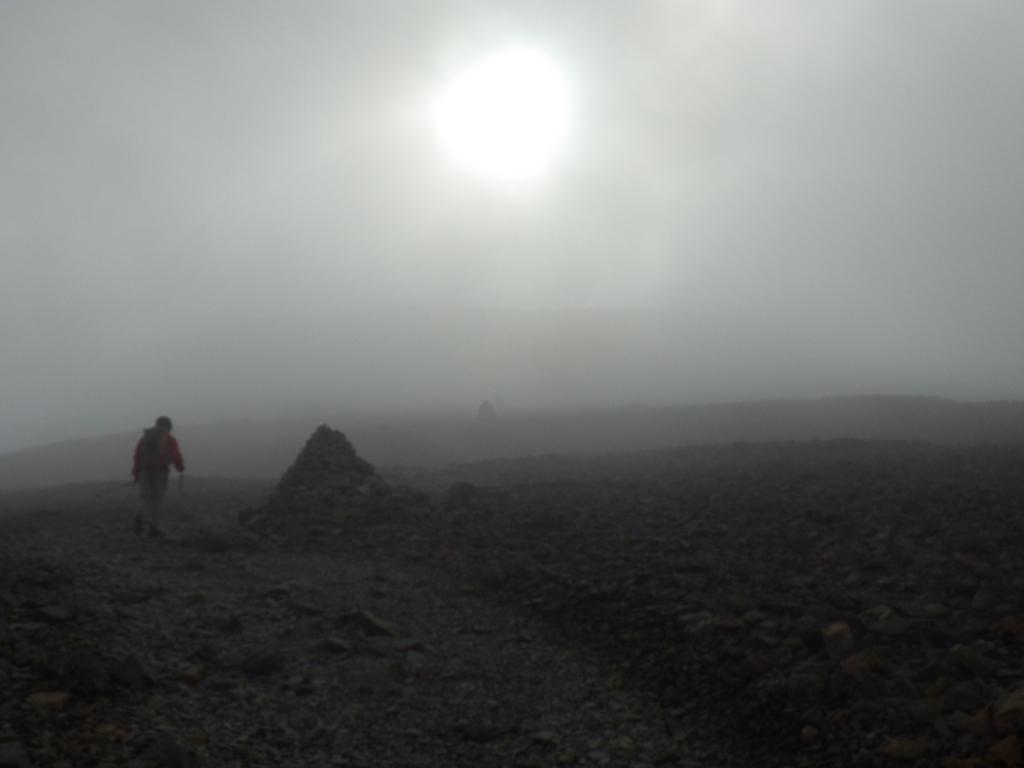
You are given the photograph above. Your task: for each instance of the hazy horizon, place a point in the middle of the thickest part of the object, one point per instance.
(246, 210)
(928, 412)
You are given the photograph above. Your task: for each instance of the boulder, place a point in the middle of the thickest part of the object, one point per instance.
(838, 640)
(906, 749)
(13, 755)
(48, 699)
(82, 671)
(1007, 751)
(963, 659)
(166, 751)
(1009, 712)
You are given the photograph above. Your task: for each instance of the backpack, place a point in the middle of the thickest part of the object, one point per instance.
(154, 449)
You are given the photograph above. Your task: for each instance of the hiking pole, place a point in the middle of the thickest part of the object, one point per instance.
(181, 483)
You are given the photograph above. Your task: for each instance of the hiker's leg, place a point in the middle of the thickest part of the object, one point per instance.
(145, 494)
(154, 514)
(159, 490)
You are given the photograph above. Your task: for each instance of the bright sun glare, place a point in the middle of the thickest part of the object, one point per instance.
(507, 116)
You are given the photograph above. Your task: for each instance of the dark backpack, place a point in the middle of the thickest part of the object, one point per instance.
(154, 449)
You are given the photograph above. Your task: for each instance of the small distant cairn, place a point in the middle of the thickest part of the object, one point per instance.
(328, 481)
(486, 413)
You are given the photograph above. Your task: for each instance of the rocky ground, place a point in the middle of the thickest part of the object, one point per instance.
(834, 603)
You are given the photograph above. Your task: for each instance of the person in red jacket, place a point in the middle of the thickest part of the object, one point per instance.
(155, 452)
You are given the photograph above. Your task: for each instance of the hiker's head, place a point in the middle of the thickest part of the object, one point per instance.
(164, 423)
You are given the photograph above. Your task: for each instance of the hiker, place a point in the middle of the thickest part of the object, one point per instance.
(155, 452)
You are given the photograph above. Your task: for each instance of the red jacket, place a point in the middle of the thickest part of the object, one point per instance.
(170, 454)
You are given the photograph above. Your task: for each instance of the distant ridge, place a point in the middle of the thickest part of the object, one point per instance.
(266, 448)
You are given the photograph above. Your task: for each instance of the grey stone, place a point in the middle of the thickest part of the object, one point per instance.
(14, 755)
(165, 751)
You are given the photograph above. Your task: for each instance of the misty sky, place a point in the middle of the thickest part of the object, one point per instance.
(242, 208)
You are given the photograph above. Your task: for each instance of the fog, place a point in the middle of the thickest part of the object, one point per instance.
(242, 209)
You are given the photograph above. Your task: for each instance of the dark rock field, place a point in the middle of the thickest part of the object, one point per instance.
(833, 603)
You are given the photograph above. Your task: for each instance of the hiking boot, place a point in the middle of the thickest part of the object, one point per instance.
(137, 525)
(155, 533)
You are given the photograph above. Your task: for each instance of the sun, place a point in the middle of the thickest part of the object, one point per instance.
(507, 116)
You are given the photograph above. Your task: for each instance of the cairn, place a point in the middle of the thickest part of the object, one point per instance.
(327, 481)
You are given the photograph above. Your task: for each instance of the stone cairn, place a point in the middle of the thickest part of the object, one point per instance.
(327, 481)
